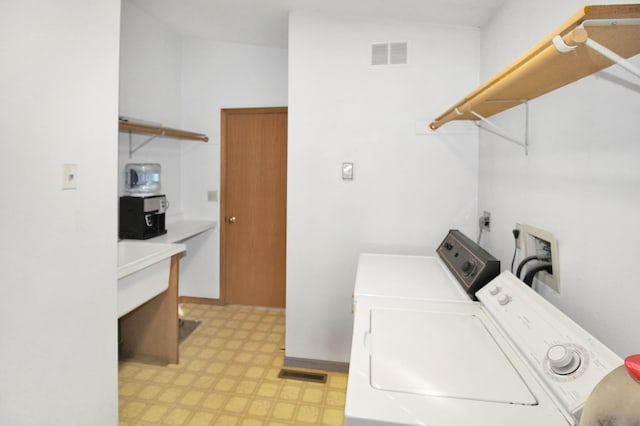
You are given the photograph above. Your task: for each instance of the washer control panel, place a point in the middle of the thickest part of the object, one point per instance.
(564, 355)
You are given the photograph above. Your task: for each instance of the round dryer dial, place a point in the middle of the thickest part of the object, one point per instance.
(469, 267)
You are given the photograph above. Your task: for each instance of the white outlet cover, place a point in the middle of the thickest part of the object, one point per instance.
(70, 176)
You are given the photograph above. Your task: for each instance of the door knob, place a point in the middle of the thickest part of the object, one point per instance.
(231, 219)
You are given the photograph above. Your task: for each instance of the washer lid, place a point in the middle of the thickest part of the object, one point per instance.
(449, 355)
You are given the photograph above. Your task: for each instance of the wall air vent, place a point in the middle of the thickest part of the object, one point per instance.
(397, 53)
(379, 54)
(392, 53)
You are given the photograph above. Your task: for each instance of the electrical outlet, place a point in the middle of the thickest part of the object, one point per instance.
(69, 176)
(541, 243)
(485, 221)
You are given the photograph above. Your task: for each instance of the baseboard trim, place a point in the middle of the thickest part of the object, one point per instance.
(316, 364)
(200, 300)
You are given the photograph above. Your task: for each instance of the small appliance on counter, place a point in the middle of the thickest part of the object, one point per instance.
(142, 217)
(142, 178)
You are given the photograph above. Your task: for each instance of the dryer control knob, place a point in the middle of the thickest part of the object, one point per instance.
(495, 289)
(469, 268)
(503, 299)
(562, 359)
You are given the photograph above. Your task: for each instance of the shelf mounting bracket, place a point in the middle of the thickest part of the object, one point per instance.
(561, 46)
(580, 35)
(499, 131)
(132, 149)
(612, 56)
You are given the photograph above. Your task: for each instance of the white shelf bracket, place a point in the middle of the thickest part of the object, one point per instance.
(612, 56)
(605, 51)
(132, 150)
(562, 47)
(499, 131)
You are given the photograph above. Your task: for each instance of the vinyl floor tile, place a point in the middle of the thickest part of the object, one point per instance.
(228, 376)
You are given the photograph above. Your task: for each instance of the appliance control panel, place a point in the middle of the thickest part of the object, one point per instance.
(565, 356)
(155, 203)
(472, 265)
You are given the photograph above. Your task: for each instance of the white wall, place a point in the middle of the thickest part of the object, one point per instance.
(407, 191)
(59, 103)
(184, 83)
(580, 180)
(150, 89)
(214, 76)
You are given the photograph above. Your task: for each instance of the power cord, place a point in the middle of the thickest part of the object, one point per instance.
(516, 234)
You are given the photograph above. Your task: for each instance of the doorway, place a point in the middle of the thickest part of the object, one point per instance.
(253, 149)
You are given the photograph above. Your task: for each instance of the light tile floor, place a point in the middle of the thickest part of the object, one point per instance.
(227, 375)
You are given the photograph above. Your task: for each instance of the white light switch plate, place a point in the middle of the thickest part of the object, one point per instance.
(347, 170)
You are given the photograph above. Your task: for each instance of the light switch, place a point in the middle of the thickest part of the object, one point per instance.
(212, 196)
(70, 176)
(347, 170)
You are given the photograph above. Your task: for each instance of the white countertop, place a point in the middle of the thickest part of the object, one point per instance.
(179, 231)
(143, 271)
(136, 255)
(143, 266)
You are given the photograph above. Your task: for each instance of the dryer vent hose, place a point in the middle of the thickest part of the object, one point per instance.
(524, 262)
(543, 266)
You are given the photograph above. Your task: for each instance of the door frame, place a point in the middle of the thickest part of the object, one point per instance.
(224, 112)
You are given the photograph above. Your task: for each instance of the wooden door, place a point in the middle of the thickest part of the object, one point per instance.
(253, 209)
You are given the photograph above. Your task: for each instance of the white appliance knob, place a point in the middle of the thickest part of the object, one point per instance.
(503, 299)
(562, 359)
(494, 290)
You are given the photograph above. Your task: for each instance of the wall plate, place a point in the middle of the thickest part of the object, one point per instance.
(347, 170)
(69, 176)
(534, 239)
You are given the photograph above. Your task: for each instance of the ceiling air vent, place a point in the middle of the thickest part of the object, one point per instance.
(393, 53)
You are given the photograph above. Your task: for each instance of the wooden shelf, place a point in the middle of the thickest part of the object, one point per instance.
(543, 68)
(165, 132)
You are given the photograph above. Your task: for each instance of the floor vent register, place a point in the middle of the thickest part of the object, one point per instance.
(305, 376)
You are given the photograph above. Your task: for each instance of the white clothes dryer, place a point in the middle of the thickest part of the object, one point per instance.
(460, 268)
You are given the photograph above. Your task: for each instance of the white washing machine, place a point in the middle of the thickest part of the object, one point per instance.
(461, 268)
(510, 359)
